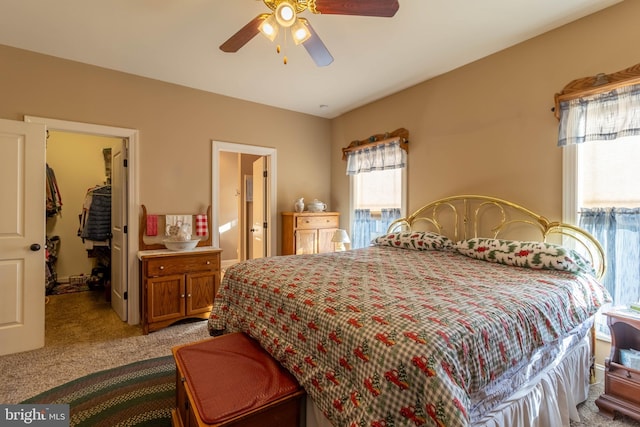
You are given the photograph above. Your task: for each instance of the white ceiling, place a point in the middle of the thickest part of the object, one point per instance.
(177, 41)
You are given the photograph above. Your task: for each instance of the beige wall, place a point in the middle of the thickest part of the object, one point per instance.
(229, 205)
(176, 125)
(488, 127)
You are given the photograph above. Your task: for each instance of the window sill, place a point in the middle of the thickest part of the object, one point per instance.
(602, 337)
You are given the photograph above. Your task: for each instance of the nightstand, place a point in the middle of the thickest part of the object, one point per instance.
(621, 383)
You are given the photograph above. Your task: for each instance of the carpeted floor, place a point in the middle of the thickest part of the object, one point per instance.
(84, 336)
(591, 418)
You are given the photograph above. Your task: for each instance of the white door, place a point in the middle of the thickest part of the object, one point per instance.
(119, 251)
(22, 236)
(258, 230)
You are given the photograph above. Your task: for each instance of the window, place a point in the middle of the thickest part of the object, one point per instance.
(378, 181)
(600, 135)
(607, 204)
(378, 189)
(377, 199)
(608, 175)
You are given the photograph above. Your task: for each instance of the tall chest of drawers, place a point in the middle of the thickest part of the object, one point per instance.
(308, 232)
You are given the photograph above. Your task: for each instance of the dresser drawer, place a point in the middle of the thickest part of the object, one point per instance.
(623, 383)
(314, 222)
(182, 264)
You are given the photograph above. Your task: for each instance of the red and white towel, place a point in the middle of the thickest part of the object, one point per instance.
(202, 225)
(152, 225)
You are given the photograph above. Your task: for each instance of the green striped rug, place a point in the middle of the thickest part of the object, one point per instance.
(138, 394)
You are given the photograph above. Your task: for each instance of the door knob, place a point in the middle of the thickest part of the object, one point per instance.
(35, 247)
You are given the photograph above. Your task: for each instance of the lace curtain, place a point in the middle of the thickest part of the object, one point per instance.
(367, 228)
(602, 117)
(618, 231)
(362, 226)
(379, 157)
(387, 217)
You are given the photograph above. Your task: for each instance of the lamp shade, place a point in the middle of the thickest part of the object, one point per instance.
(285, 14)
(299, 32)
(269, 27)
(340, 236)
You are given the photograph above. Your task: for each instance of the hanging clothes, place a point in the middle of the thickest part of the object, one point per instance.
(95, 219)
(54, 200)
(51, 256)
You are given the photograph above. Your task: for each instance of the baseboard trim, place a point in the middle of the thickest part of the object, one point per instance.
(599, 373)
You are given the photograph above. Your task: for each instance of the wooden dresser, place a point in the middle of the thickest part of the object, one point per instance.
(177, 285)
(621, 383)
(308, 232)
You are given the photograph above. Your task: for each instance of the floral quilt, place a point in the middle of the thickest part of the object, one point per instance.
(386, 336)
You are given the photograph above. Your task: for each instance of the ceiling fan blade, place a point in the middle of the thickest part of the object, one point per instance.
(316, 49)
(244, 35)
(382, 8)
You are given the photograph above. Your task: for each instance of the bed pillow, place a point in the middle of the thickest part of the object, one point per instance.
(538, 255)
(416, 240)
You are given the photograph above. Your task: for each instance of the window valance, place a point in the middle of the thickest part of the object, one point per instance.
(378, 152)
(611, 103)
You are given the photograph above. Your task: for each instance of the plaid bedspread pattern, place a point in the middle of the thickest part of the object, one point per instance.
(391, 337)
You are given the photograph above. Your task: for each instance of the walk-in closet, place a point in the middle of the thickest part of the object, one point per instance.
(78, 212)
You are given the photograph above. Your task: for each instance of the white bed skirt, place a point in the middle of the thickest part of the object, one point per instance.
(549, 400)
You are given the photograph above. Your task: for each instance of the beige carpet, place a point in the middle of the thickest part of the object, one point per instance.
(590, 416)
(84, 335)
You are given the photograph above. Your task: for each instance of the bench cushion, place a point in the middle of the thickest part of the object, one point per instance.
(232, 375)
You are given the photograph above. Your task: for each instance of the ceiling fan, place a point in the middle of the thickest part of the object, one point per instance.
(284, 16)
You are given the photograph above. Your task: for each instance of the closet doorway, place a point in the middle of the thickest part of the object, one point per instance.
(79, 230)
(244, 197)
(124, 292)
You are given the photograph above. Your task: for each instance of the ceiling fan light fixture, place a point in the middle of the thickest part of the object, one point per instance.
(269, 28)
(285, 14)
(300, 32)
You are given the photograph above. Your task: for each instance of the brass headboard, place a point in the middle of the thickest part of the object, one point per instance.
(467, 216)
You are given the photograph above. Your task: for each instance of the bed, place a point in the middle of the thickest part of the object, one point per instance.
(471, 311)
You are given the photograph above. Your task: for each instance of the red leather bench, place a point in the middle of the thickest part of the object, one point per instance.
(231, 381)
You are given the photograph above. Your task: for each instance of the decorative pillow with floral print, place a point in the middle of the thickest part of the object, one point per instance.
(525, 254)
(415, 240)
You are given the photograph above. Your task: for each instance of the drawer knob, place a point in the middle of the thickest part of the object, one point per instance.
(182, 296)
(208, 262)
(188, 295)
(162, 267)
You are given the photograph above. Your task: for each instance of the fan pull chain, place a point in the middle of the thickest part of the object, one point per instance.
(285, 57)
(285, 43)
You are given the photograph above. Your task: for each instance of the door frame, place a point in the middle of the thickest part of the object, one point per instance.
(270, 154)
(133, 197)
